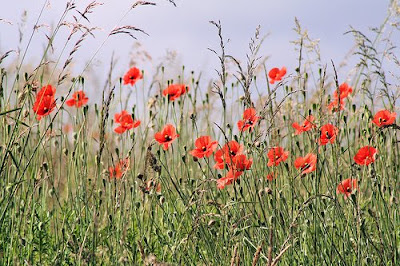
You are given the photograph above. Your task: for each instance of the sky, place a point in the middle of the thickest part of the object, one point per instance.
(186, 29)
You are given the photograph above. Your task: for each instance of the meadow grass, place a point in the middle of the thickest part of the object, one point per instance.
(63, 202)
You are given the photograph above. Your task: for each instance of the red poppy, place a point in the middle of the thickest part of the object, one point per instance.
(306, 126)
(333, 106)
(271, 176)
(166, 136)
(249, 120)
(365, 155)
(276, 74)
(47, 90)
(133, 75)
(306, 164)
(119, 169)
(384, 118)
(228, 179)
(240, 163)
(44, 106)
(78, 99)
(277, 155)
(174, 91)
(204, 147)
(328, 134)
(227, 153)
(346, 187)
(344, 91)
(126, 122)
(45, 101)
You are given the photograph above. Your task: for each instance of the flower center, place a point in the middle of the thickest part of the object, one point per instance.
(305, 166)
(327, 135)
(167, 137)
(204, 148)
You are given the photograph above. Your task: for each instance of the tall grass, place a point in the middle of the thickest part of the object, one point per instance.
(61, 204)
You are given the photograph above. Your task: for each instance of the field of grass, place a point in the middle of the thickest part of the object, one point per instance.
(262, 165)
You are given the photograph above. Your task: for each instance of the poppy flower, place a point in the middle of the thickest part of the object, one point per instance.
(306, 126)
(276, 74)
(346, 187)
(344, 91)
(227, 153)
(228, 179)
(249, 120)
(126, 122)
(45, 101)
(43, 106)
(78, 99)
(365, 155)
(47, 90)
(166, 136)
(277, 155)
(204, 147)
(334, 106)
(119, 169)
(271, 176)
(240, 163)
(384, 118)
(306, 164)
(174, 91)
(328, 134)
(133, 75)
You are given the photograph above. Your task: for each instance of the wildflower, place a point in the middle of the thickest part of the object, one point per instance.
(78, 99)
(126, 122)
(230, 177)
(384, 118)
(277, 155)
(174, 91)
(249, 120)
(328, 134)
(365, 155)
(306, 126)
(47, 90)
(306, 164)
(344, 91)
(346, 187)
(276, 75)
(45, 101)
(338, 101)
(240, 163)
(132, 76)
(166, 136)
(204, 147)
(227, 153)
(271, 176)
(119, 169)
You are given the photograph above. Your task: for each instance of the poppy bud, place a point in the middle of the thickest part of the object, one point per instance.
(162, 200)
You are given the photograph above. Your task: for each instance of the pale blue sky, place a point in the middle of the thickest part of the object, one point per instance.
(186, 28)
